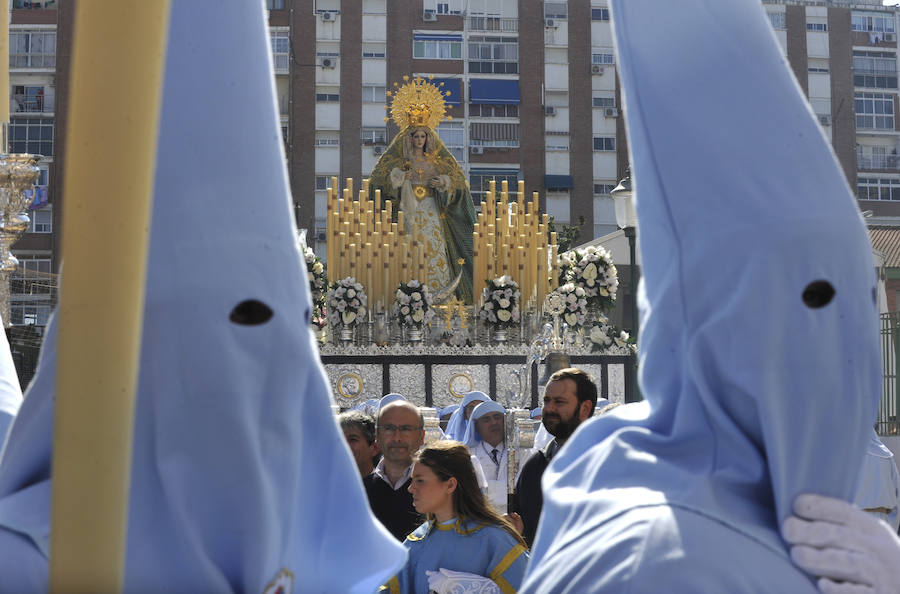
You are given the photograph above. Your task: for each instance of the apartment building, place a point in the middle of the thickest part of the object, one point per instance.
(534, 97)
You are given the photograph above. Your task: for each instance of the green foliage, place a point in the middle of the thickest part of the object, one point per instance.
(566, 235)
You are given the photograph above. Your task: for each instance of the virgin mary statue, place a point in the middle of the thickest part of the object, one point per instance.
(419, 171)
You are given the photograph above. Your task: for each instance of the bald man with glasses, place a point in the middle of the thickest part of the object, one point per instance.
(400, 432)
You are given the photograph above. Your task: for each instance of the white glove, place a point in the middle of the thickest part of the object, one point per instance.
(848, 550)
(446, 581)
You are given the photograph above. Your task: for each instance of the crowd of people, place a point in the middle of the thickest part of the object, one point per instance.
(447, 500)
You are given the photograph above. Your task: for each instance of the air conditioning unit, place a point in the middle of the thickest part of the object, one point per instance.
(550, 23)
(328, 16)
(429, 15)
(825, 120)
(596, 69)
(549, 110)
(611, 112)
(377, 149)
(329, 63)
(890, 37)
(321, 235)
(477, 150)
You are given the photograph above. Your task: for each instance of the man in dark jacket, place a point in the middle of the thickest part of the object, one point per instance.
(569, 400)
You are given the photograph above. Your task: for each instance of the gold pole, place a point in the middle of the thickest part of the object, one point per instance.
(110, 145)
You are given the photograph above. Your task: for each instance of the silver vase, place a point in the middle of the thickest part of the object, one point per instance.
(346, 335)
(500, 335)
(414, 335)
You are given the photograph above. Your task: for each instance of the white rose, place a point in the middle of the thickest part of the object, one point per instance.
(318, 268)
(404, 310)
(418, 316)
(351, 293)
(504, 303)
(604, 292)
(579, 291)
(503, 315)
(571, 319)
(347, 317)
(488, 306)
(416, 296)
(590, 271)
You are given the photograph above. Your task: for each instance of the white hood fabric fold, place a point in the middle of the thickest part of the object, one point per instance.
(759, 356)
(240, 475)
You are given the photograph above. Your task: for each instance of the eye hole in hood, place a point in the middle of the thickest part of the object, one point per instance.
(818, 294)
(251, 312)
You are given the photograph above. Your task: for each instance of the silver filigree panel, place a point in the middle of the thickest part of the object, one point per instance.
(449, 383)
(353, 384)
(616, 382)
(409, 380)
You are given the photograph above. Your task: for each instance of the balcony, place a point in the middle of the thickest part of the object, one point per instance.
(497, 24)
(869, 161)
(32, 103)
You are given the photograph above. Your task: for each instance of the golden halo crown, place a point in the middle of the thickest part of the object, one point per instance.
(418, 103)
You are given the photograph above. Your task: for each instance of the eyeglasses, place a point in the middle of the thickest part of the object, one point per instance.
(403, 429)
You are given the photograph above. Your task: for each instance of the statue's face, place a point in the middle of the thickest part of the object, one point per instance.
(419, 137)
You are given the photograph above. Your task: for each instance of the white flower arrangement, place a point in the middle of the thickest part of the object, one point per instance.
(315, 269)
(569, 302)
(501, 302)
(593, 270)
(347, 302)
(413, 304)
(604, 335)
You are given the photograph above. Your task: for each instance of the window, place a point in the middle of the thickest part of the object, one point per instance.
(493, 111)
(373, 50)
(497, 55)
(281, 49)
(603, 58)
(871, 188)
(327, 97)
(819, 70)
(872, 22)
(31, 135)
(34, 4)
(876, 70)
(604, 101)
(373, 94)
(275, 4)
(32, 277)
(604, 143)
(556, 142)
(374, 136)
(599, 14)
(874, 111)
(32, 99)
(604, 189)
(41, 221)
(443, 8)
(816, 26)
(453, 135)
(437, 47)
(29, 315)
(479, 181)
(32, 49)
(323, 181)
(495, 135)
(777, 20)
(556, 10)
(327, 138)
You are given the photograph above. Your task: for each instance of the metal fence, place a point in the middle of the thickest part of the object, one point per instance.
(888, 422)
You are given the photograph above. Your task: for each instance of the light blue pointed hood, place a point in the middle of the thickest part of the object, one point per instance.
(456, 426)
(239, 469)
(759, 385)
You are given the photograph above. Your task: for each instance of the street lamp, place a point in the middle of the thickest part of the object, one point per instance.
(626, 220)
